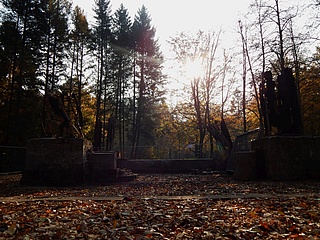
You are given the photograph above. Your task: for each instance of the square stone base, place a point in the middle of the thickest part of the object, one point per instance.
(289, 157)
(101, 167)
(54, 161)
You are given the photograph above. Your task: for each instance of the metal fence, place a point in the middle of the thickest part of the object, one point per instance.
(12, 159)
(159, 152)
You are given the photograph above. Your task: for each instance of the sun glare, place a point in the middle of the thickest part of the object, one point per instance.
(193, 68)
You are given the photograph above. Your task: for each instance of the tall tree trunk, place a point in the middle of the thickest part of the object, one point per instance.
(71, 78)
(123, 120)
(12, 88)
(97, 131)
(282, 62)
(80, 87)
(46, 87)
(141, 105)
(253, 80)
(120, 117)
(200, 120)
(104, 130)
(133, 143)
(244, 76)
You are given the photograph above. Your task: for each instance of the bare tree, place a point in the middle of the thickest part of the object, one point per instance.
(244, 76)
(206, 87)
(279, 45)
(253, 77)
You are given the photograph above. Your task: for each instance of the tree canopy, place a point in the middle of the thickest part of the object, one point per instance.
(103, 79)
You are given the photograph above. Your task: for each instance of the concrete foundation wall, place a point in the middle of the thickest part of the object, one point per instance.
(245, 166)
(54, 161)
(167, 166)
(101, 167)
(289, 157)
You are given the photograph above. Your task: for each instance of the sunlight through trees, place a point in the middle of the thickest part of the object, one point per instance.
(107, 75)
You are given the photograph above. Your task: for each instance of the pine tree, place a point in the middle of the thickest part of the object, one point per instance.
(121, 73)
(148, 66)
(57, 41)
(102, 36)
(80, 38)
(22, 26)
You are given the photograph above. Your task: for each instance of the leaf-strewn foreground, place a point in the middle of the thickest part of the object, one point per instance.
(209, 206)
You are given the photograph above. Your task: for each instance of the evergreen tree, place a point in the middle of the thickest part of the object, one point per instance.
(121, 64)
(80, 38)
(22, 26)
(102, 35)
(148, 66)
(57, 37)
(54, 68)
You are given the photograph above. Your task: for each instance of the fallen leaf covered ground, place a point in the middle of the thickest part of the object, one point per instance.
(211, 206)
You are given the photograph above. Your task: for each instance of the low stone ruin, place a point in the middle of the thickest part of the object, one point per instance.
(68, 161)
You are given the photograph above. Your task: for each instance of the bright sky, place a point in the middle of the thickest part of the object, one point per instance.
(172, 16)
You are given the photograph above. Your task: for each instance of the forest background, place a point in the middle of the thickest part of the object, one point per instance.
(109, 75)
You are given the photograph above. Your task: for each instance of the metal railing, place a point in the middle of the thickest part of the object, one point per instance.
(160, 152)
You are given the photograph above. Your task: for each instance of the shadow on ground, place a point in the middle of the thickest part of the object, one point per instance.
(165, 185)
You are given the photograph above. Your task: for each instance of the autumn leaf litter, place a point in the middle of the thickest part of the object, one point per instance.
(212, 206)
